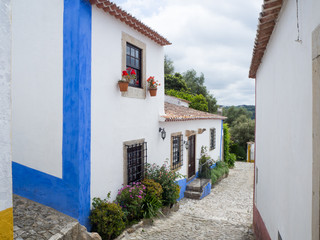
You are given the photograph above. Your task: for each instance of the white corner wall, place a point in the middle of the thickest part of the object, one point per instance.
(5, 109)
(116, 119)
(37, 84)
(284, 125)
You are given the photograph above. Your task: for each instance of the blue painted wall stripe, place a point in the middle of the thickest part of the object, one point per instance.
(71, 194)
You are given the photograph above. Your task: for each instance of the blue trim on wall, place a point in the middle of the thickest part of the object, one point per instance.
(221, 139)
(183, 186)
(206, 190)
(71, 194)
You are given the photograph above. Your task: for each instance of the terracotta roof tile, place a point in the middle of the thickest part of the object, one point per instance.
(180, 113)
(123, 16)
(267, 21)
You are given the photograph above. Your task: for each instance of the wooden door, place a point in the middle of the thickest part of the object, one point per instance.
(192, 156)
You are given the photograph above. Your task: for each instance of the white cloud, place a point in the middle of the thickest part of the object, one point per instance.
(210, 36)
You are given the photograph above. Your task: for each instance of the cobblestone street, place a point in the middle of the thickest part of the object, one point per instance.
(225, 214)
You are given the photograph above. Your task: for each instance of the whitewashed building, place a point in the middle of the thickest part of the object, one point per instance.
(6, 213)
(285, 65)
(75, 135)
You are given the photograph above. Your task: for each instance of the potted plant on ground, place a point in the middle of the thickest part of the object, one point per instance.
(127, 75)
(153, 86)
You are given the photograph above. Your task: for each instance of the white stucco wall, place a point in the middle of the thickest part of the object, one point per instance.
(37, 84)
(284, 125)
(116, 119)
(5, 106)
(164, 147)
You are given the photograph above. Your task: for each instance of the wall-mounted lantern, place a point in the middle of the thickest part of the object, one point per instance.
(186, 144)
(163, 133)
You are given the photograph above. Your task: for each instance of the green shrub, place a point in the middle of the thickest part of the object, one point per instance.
(220, 169)
(152, 188)
(167, 179)
(130, 198)
(151, 206)
(214, 177)
(152, 203)
(229, 158)
(239, 151)
(106, 218)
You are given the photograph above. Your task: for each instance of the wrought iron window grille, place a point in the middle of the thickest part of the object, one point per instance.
(136, 162)
(177, 152)
(212, 138)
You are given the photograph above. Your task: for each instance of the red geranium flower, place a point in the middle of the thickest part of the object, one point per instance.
(133, 72)
(137, 82)
(124, 73)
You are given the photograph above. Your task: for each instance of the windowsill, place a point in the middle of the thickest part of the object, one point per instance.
(134, 92)
(177, 169)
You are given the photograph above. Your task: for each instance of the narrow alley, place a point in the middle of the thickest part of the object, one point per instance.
(225, 214)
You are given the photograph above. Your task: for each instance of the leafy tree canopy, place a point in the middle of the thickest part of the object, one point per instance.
(189, 82)
(168, 65)
(197, 102)
(175, 82)
(234, 113)
(195, 83)
(243, 131)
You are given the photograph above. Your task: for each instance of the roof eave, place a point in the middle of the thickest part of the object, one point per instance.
(115, 11)
(267, 21)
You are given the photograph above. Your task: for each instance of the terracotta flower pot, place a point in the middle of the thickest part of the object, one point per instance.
(123, 86)
(153, 92)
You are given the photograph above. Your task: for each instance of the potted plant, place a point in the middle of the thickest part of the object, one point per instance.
(127, 75)
(153, 86)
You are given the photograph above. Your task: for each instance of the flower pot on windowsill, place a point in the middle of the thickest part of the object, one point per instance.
(153, 92)
(123, 85)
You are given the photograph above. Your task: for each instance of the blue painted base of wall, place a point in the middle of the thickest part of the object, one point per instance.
(45, 189)
(183, 185)
(213, 166)
(206, 190)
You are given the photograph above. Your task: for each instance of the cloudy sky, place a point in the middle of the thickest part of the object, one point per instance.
(211, 36)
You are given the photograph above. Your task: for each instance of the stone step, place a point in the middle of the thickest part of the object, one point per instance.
(192, 194)
(197, 185)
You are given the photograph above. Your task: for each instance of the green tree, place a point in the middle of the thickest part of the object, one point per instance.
(175, 82)
(197, 102)
(168, 65)
(243, 131)
(212, 104)
(234, 113)
(195, 83)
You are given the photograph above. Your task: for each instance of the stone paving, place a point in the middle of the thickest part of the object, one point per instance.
(36, 221)
(224, 214)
